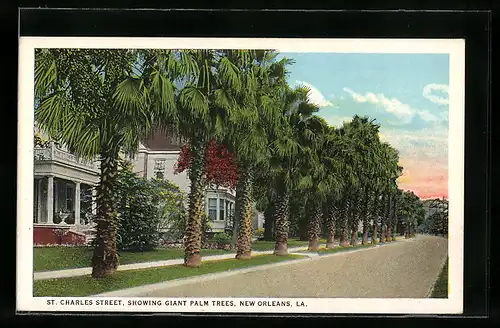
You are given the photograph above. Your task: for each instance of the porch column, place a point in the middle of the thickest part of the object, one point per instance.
(77, 203)
(218, 207)
(50, 199)
(94, 200)
(39, 201)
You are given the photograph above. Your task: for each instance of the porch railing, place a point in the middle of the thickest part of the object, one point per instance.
(52, 152)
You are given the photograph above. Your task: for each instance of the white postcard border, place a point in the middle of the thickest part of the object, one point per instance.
(454, 47)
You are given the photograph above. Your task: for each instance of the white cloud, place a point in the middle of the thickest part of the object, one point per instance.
(420, 144)
(428, 116)
(336, 120)
(315, 96)
(402, 111)
(428, 93)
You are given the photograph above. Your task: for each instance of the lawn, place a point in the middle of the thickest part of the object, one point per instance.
(86, 286)
(441, 284)
(59, 258)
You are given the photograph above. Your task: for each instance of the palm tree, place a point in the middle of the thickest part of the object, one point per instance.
(321, 175)
(287, 157)
(358, 137)
(332, 216)
(247, 133)
(99, 103)
(344, 222)
(394, 216)
(208, 98)
(410, 209)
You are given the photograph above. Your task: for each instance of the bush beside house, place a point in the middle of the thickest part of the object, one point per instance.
(150, 211)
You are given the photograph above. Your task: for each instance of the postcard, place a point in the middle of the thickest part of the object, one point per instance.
(240, 175)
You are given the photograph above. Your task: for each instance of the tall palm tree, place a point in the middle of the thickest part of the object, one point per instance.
(332, 217)
(355, 154)
(287, 156)
(410, 209)
(247, 133)
(321, 175)
(209, 96)
(99, 103)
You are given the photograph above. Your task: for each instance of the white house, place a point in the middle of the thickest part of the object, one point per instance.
(61, 180)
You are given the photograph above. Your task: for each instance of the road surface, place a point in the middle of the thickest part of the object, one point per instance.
(405, 269)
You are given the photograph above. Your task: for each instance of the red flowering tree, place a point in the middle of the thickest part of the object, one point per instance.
(221, 168)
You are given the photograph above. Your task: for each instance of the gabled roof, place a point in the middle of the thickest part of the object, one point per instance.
(162, 141)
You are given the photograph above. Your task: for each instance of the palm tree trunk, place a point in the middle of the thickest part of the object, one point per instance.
(375, 216)
(389, 219)
(374, 231)
(383, 219)
(105, 257)
(193, 236)
(365, 217)
(355, 220)
(235, 227)
(303, 228)
(330, 242)
(394, 219)
(354, 224)
(354, 237)
(315, 227)
(269, 220)
(282, 224)
(345, 222)
(244, 215)
(382, 233)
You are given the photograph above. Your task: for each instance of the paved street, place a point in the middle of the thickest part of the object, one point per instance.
(404, 269)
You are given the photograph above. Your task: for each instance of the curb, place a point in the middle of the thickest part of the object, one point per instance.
(138, 290)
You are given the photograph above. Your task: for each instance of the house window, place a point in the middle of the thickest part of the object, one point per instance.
(212, 208)
(159, 169)
(221, 209)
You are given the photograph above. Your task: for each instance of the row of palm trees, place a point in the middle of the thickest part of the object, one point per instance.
(101, 102)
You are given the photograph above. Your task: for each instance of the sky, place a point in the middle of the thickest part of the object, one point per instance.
(407, 94)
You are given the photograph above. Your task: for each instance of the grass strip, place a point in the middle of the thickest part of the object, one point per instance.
(441, 285)
(86, 285)
(60, 258)
(263, 245)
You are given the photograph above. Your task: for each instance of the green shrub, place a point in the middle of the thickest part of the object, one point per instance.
(259, 232)
(222, 238)
(146, 209)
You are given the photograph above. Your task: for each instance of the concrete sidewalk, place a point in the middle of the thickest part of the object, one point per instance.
(44, 275)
